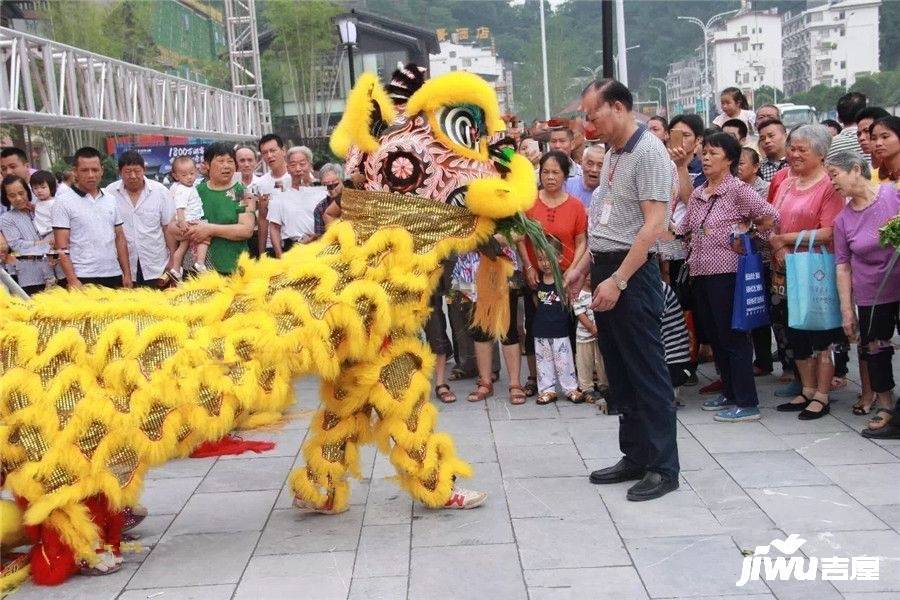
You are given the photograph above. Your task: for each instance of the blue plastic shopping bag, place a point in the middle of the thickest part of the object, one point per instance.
(813, 303)
(750, 309)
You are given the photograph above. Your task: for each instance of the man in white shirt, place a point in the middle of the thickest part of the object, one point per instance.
(246, 164)
(271, 148)
(87, 229)
(146, 208)
(292, 212)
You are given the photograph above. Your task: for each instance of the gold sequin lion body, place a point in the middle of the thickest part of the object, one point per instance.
(98, 385)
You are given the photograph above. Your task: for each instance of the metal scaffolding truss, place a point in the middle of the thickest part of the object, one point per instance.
(243, 52)
(48, 84)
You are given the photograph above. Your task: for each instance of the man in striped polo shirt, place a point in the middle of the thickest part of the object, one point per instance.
(626, 218)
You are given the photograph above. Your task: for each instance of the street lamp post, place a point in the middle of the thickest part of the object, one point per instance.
(707, 90)
(659, 94)
(665, 87)
(347, 29)
(616, 60)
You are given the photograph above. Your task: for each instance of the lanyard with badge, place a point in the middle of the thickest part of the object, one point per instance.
(606, 209)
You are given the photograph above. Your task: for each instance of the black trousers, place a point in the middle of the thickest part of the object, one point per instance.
(639, 384)
(877, 325)
(732, 350)
(109, 282)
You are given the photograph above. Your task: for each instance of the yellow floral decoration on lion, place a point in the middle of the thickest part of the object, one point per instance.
(98, 385)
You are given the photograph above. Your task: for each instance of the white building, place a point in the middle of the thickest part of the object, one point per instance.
(480, 60)
(745, 52)
(684, 82)
(830, 43)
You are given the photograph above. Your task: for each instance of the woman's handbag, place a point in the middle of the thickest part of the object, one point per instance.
(683, 285)
(750, 309)
(813, 302)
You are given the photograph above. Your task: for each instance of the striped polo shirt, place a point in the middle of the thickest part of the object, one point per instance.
(641, 171)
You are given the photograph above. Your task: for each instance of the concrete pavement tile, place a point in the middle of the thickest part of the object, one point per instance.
(168, 496)
(818, 508)
(531, 432)
(250, 474)
(679, 513)
(736, 437)
(196, 559)
(690, 566)
(782, 423)
(487, 524)
(597, 443)
(553, 543)
(731, 506)
(184, 467)
(871, 596)
(292, 532)
(199, 592)
(869, 483)
(693, 456)
(319, 576)
(889, 513)
(475, 453)
(553, 497)
(465, 423)
(771, 469)
(499, 409)
(150, 530)
(224, 512)
(107, 587)
(379, 588)
(838, 448)
(556, 460)
(599, 583)
(885, 544)
(567, 410)
(388, 504)
(452, 573)
(383, 551)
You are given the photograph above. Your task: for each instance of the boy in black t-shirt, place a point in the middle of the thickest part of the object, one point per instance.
(552, 348)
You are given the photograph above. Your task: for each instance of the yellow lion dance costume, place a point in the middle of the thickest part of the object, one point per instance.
(98, 385)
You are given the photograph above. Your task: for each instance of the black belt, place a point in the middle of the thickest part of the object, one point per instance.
(614, 257)
(31, 257)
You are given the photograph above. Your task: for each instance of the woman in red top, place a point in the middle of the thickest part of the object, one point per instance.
(807, 201)
(563, 216)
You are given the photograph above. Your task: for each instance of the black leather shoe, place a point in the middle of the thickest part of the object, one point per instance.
(653, 485)
(624, 470)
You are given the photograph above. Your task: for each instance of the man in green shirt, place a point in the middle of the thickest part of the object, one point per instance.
(228, 213)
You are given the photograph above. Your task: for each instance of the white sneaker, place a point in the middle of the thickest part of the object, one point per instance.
(465, 499)
(109, 563)
(306, 508)
(199, 267)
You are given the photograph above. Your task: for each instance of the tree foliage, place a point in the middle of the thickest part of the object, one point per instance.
(305, 38)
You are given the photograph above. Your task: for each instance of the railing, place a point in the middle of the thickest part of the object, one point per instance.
(45, 83)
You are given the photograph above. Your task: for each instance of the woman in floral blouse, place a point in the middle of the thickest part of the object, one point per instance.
(717, 210)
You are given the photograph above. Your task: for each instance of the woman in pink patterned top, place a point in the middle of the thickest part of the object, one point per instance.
(807, 201)
(718, 209)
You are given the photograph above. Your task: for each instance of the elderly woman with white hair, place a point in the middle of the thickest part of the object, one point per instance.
(806, 201)
(862, 265)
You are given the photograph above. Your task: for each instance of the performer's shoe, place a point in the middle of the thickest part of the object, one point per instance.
(465, 499)
(306, 508)
(133, 516)
(109, 563)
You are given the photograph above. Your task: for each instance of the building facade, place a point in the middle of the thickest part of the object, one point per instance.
(745, 52)
(684, 82)
(830, 42)
(479, 59)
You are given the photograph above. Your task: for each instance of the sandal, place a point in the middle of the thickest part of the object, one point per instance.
(546, 398)
(808, 415)
(478, 395)
(886, 430)
(444, 393)
(530, 387)
(880, 422)
(516, 394)
(794, 406)
(860, 409)
(457, 374)
(575, 397)
(838, 383)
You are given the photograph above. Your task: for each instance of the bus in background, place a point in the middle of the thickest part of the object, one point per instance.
(793, 115)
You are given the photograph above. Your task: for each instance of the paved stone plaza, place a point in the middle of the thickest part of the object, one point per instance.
(224, 528)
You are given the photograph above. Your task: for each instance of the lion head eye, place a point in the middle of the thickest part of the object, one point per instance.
(463, 124)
